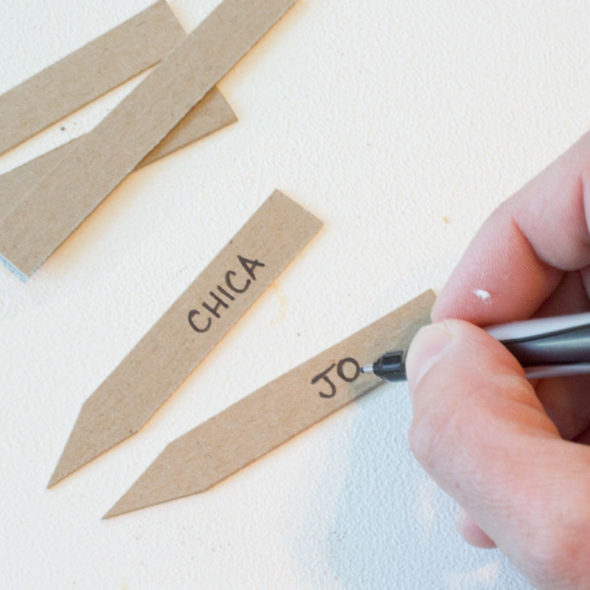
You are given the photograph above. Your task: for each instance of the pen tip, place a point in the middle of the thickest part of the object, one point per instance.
(367, 369)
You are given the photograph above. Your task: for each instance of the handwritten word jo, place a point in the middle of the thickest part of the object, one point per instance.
(232, 285)
(347, 369)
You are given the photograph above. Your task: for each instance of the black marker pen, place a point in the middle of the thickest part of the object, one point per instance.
(545, 347)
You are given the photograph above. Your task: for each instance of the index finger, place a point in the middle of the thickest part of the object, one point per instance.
(519, 255)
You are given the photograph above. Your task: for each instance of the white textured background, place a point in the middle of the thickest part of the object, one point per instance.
(401, 124)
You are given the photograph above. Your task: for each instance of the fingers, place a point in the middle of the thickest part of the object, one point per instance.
(567, 400)
(518, 257)
(472, 533)
(567, 403)
(482, 433)
(570, 296)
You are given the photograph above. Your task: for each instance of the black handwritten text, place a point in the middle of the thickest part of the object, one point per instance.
(234, 284)
(348, 370)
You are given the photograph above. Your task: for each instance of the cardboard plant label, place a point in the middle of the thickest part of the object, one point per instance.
(209, 115)
(274, 413)
(97, 164)
(188, 331)
(88, 73)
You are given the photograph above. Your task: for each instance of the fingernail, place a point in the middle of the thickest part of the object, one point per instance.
(426, 349)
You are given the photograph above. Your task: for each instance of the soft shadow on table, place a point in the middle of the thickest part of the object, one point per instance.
(392, 528)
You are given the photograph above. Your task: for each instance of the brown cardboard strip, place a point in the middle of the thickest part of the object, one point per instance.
(275, 413)
(103, 158)
(209, 115)
(186, 333)
(88, 73)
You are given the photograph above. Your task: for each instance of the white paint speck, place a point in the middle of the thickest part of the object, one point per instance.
(481, 294)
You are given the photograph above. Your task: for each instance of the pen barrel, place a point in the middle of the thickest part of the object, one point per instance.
(566, 347)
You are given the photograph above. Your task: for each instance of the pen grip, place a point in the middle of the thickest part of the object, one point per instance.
(566, 347)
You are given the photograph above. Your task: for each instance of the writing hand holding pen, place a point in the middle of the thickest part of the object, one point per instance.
(512, 452)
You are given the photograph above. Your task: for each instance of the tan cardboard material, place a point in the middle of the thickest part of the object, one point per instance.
(186, 333)
(275, 413)
(209, 115)
(88, 73)
(103, 158)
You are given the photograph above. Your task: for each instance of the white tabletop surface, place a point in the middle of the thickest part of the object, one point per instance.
(401, 124)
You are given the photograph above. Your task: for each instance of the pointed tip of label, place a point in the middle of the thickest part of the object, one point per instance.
(59, 474)
(53, 481)
(110, 514)
(123, 506)
(69, 462)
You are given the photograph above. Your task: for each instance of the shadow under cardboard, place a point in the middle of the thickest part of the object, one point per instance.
(392, 528)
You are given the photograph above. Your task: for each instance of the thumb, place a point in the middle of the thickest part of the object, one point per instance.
(483, 435)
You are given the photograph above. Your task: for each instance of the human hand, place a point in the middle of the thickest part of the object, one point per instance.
(513, 454)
